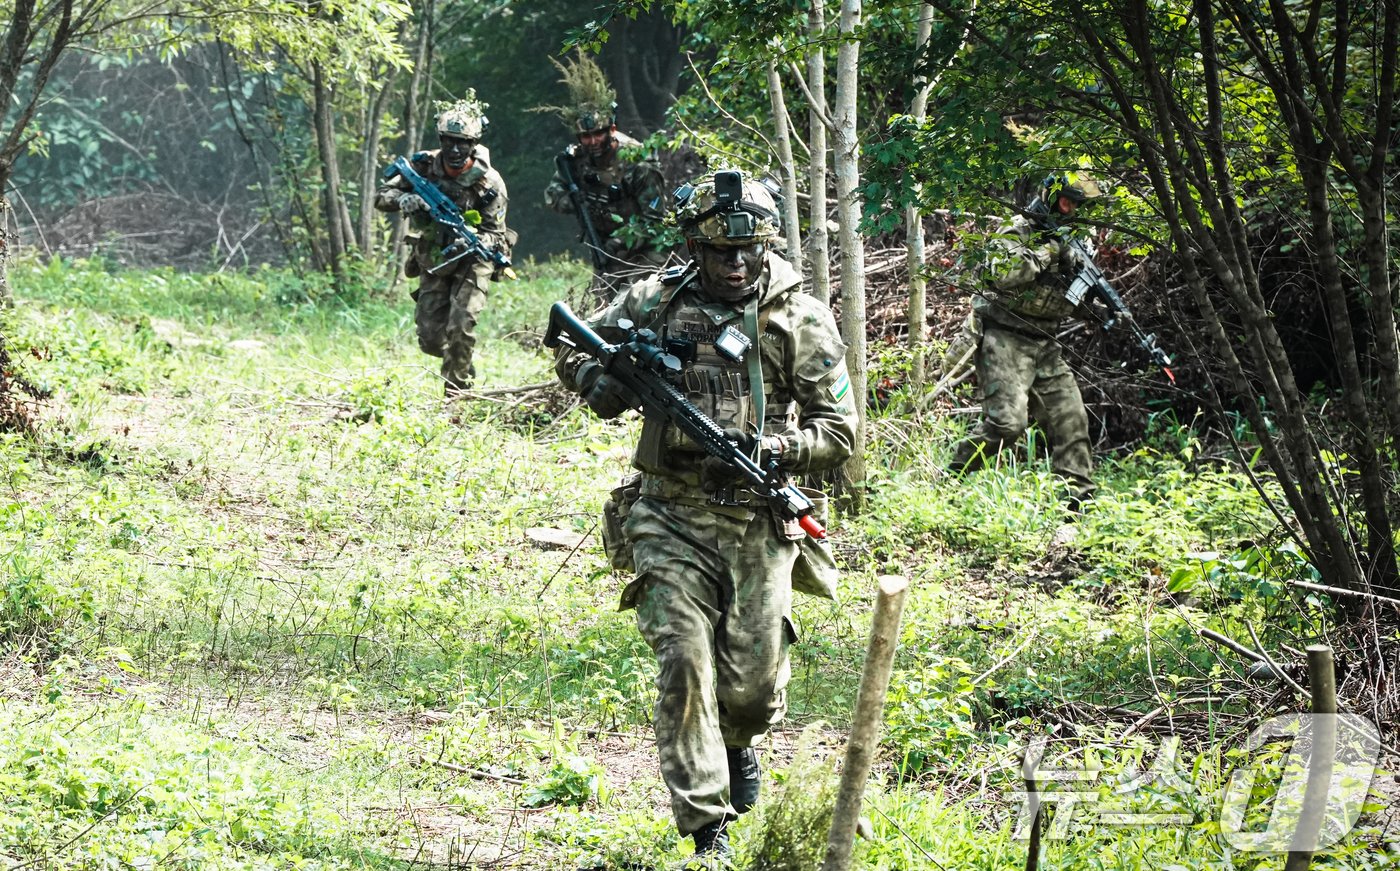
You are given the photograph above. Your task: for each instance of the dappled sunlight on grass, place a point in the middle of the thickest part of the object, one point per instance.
(249, 513)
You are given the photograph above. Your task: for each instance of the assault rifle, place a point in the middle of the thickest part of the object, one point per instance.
(1090, 282)
(564, 163)
(644, 367)
(445, 212)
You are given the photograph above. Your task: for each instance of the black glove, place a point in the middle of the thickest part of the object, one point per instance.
(602, 392)
(457, 248)
(716, 474)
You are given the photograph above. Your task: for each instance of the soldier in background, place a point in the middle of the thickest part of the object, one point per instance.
(621, 189)
(1017, 311)
(715, 568)
(451, 294)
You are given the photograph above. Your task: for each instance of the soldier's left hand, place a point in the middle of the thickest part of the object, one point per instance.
(409, 202)
(455, 250)
(716, 474)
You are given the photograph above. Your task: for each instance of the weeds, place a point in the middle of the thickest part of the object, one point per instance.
(321, 575)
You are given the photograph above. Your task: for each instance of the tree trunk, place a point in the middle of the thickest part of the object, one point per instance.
(7, 241)
(369, 169)
(914, 224)
(412, 132)
(792, 227)
(847, 147)
(1301, 83)
(818, 242)
(1169, 151)
(333, 210)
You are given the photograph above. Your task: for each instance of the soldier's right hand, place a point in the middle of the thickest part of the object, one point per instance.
(409, 202)
(602, 392)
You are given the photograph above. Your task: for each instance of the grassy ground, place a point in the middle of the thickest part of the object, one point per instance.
(266, 602)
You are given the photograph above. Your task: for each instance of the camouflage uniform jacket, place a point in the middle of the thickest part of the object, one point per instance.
(807, 390)
(1024, 278)
(479, 189)
(615, 191)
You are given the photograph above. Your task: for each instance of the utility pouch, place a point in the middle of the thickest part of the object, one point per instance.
(411, 267)
(615, 510)
(815, 571)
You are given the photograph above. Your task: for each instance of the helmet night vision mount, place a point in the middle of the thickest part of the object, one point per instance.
(727, 209)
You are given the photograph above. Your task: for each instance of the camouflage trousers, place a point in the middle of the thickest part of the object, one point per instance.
(446, 313)
(1023, 377)
(713, 596)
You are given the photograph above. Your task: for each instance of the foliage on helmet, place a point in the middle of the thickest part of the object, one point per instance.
(753, 217)
(464, 118)
(1077, 186)
(592, 103)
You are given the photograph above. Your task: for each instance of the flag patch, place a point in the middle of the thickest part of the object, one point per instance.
(841, 387)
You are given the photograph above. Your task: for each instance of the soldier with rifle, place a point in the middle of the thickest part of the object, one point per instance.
(742, 383)
(455, 203)
(1034, 275)
(614, 191)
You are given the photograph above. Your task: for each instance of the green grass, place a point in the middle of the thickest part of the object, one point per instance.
(250, 556)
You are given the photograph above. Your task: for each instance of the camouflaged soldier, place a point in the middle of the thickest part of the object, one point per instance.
(451, 293)
(1020, 370)
(714, 566)
(622, 191)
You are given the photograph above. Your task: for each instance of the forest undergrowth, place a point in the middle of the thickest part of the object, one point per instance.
(267, 602)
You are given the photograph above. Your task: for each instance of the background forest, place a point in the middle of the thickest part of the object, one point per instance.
(266, 602)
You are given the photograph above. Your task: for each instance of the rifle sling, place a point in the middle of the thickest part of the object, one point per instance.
(755, 361)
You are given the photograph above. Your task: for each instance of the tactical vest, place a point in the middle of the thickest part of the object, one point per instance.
(1038, 305)
(607, 192)
(1041, 300)
(469, 191)
(716, 385)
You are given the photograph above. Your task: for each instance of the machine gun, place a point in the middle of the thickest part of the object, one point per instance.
(563, 162)
(445, 212)
(644, 367)
(1090, 282)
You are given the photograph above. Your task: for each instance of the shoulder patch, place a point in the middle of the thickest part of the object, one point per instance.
(841, 387)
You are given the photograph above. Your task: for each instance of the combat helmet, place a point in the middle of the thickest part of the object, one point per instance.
(1075, 186)
(589, 117)
(728, 210)
(592, 104)
(465, 118)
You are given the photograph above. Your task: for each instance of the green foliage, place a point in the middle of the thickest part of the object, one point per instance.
(289, 533)
(790, 831)
(127, 789)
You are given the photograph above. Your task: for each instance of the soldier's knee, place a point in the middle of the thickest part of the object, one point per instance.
(751, 700)
(430, 342)
(681, 663)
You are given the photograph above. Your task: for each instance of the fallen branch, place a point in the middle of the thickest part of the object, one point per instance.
(1252, 655)
(956, 375)
(1341, 591)
(507, 391)
(475, 773)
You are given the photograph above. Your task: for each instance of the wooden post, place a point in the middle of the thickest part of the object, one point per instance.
(865, 728)
(1321, 757)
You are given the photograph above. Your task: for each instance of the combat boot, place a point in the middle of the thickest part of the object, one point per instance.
(744, 777)
(711, 839)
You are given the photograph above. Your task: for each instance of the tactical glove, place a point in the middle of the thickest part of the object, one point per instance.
(409, 202)
(602, 392)
(455, 250)
(716, 474)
